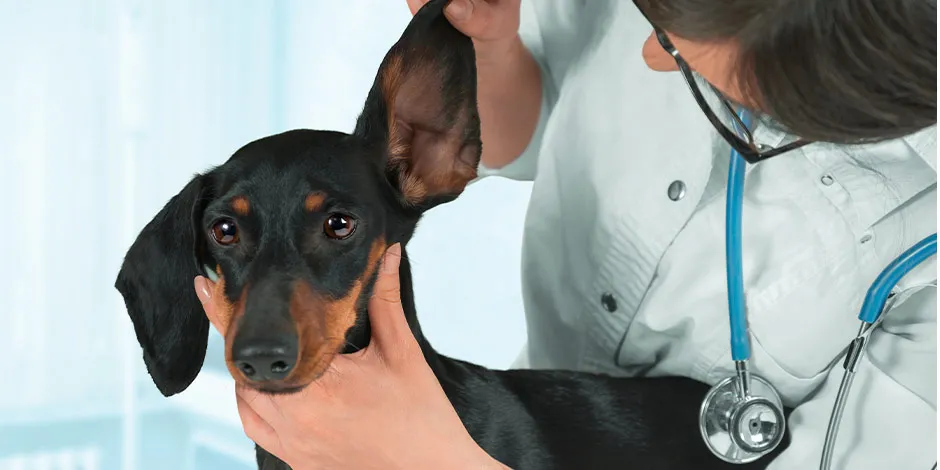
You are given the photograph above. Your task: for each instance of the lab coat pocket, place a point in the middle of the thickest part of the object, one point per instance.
(805, 330)
(804, 312)
(801, 306)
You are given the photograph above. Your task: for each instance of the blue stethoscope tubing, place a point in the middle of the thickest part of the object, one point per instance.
(877, 294)
(880, 290)
(873, 306)
(740, 345)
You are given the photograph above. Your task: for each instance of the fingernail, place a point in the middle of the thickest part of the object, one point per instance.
(392, 259)
(459, 10)
(202, 289)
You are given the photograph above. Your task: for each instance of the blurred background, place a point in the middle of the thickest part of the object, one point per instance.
(107, 109)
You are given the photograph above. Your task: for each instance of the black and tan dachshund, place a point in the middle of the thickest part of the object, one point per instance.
(294, 226)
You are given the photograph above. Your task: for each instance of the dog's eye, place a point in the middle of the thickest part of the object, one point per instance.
(224, 232)
(339, 226)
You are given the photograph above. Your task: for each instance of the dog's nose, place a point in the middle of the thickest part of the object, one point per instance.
(264, 362)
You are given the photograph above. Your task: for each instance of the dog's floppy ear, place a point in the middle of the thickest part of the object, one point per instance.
(422, 111)
(156, 281)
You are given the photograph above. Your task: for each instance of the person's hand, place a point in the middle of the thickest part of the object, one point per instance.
(379, 408)
(487, 22)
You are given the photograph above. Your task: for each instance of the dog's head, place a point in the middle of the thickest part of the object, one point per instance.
(293, 226)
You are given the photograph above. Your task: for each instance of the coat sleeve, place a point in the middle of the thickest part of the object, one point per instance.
(890, 418)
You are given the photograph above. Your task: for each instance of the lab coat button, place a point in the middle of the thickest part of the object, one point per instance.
(826, 180)
(676, 190)
(609, 302)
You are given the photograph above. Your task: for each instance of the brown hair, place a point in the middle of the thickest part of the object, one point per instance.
(844, 71)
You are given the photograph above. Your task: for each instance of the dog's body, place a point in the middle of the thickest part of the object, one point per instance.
(294, 225)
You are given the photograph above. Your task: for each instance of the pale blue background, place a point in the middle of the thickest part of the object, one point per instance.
(107, 108)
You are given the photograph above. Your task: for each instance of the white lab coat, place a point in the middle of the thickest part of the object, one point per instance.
(620, 278)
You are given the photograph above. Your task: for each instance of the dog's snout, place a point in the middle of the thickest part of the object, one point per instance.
(265, 361)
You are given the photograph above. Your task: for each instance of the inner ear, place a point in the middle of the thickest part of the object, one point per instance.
(434, 142)
(422, 109)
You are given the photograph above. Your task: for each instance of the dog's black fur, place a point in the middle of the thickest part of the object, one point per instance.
(416, 145)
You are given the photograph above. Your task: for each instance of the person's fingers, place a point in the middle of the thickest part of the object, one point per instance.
(482, 19)
(390, 330)
(471, 17)
(265, 406)
(415, 5)
(255, 427)
(204, 289)
(261, 404)
(272, 408)
(387, 291)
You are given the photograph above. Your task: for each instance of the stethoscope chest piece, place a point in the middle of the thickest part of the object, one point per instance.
(742, 429)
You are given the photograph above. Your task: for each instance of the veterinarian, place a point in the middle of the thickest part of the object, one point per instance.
(623, 254)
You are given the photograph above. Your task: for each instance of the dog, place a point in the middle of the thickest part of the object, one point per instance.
(293, 227)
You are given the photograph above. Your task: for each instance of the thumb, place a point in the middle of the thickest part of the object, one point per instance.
(479, 19)
(204, 289)
(459, 12)
(389, 328)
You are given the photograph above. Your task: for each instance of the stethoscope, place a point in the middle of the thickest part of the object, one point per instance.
(741, 417)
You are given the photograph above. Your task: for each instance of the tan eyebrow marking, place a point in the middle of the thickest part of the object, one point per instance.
(314, 201)
(240, 205)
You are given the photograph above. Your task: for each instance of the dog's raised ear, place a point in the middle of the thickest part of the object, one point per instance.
(422, 111)
(156, 281)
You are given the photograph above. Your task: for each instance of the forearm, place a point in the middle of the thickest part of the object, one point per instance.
(509, 95)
